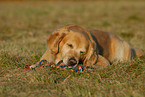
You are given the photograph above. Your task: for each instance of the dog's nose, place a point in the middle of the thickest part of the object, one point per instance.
(72, 62)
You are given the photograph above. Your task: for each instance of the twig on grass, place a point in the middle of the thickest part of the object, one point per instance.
(66, 78)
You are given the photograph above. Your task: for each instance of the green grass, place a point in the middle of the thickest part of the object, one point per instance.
(25, 26)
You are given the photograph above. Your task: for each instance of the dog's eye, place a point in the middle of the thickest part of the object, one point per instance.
(82, 52)
(70, 45)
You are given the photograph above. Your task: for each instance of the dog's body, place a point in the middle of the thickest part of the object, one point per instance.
(76, 45)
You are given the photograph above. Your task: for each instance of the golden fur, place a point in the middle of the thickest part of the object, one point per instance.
(74, 44)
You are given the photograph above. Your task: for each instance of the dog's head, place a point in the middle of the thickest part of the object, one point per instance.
(74, 45)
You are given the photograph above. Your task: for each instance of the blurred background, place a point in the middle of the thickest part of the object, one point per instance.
(33, 20)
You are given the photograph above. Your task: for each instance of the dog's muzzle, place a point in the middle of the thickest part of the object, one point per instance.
(72, 62)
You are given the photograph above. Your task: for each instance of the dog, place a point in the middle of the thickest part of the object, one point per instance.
(76, 45)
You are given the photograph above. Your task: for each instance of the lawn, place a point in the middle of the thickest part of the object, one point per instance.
(25, 26)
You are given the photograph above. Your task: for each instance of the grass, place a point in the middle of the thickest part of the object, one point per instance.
(25, 26)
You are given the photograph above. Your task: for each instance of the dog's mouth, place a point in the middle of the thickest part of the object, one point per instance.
(71, 62)
(79, 63)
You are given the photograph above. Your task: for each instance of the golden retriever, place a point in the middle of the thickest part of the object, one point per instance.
(76, 45)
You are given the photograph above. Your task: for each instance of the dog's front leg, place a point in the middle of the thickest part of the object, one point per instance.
(46, 56)
(34, 65)
(102, 62)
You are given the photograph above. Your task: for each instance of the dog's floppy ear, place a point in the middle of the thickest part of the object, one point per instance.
(91, 56)
(54, 40)
(93, 59)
